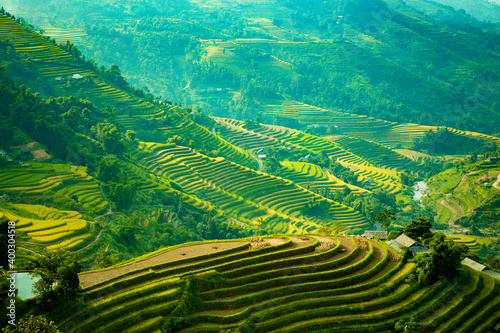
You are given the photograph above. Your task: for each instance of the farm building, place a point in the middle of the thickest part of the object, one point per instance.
(261, 154)
(474, 264)
(487, 185)
(77, 77)
(479, 267)
(371, 234)
(305, 158)
(369, 182)
(415, 247)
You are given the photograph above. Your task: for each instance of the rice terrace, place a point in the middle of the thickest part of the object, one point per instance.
(249, 166)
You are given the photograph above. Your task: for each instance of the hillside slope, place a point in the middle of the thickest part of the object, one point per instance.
(281, 283)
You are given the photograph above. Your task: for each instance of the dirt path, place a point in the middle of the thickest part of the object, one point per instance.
(464, 177)
(92, 243)
(497, 182)
(459, 205)
(26, 249)
(90, 279)
(451, 221)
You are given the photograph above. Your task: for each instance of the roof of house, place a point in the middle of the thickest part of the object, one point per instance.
(404, 241)
(375, 234)
(407, 241)
(416, 250)
(395, 245)
(77, 76)
(473, 264)
(3, 152)
(492, 273)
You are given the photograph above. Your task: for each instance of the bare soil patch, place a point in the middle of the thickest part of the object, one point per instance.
(40, 154)
(90, 279)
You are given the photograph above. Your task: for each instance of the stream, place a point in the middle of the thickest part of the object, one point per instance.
(420, 190)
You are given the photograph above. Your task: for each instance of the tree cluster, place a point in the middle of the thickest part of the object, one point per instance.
(58, 281)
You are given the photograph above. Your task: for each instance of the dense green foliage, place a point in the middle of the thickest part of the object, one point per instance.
(32, 324)
(58, 281)
(347, 70)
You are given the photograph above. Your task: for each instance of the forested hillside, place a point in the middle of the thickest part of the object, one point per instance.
(234, 60)
(211, 165)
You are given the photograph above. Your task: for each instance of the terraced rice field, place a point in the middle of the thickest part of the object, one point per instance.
(50, 227)
(473, 242)
(289, 284)
(467, 195)
(52, 62)
(419, 157)
(49, 179)
(250, 196)
(377, 154)
(382, 177)
(238, 136)
(188, 128)
(74, 35)
(307, 174)
(387, 133)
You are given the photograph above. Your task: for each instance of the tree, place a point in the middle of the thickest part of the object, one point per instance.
(384, 218)
(493, 262)
(103, 258)
(33, 324)
(473, 157)
(127, 234)
(443, 259)
(73, 117)
(109, 136)
(419, 229)
(109, 169)
(256, 121)
(58, 278)
(316, 207)
(123, 195)
(406, 326)
(131, 135)
(272, 165)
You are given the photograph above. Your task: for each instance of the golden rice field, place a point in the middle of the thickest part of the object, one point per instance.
(49, 227)
(302, 283)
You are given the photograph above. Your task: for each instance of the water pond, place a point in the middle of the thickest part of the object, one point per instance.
(24, 284)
